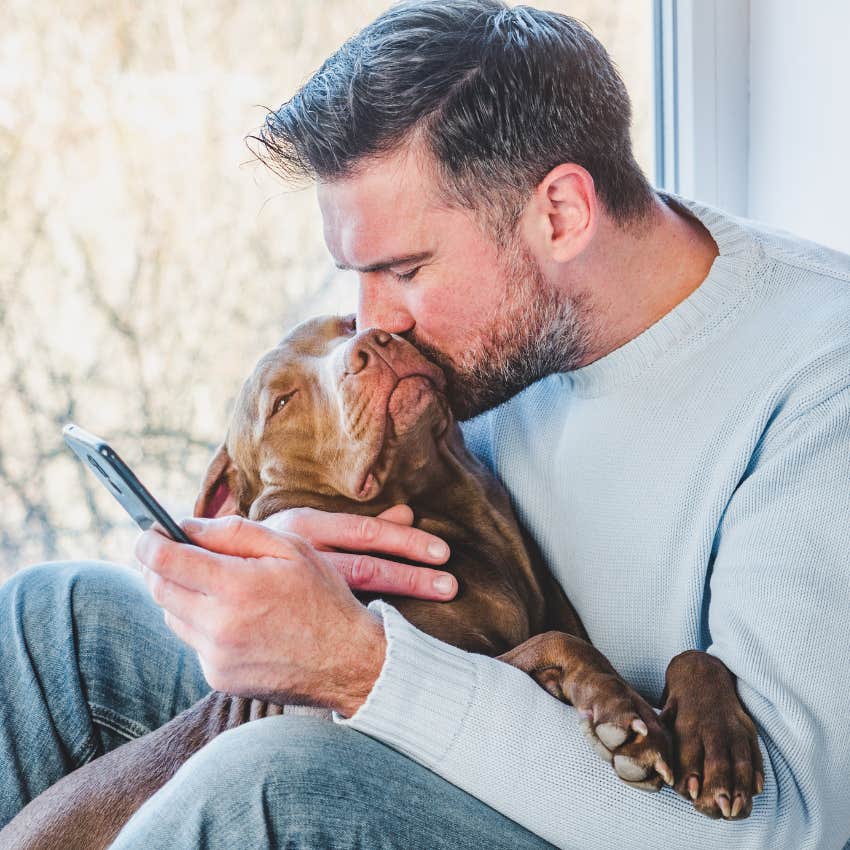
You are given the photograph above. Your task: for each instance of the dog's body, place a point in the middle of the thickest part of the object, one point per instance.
(340, 421)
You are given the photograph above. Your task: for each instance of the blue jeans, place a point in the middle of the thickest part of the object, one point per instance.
(87, 663)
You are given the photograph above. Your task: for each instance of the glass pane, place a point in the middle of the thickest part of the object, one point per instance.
(146, 261)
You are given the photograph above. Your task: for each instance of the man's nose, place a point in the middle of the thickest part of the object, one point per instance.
(376, 308)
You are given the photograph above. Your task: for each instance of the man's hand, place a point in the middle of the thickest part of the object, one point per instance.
(390, 533)
(270, 617)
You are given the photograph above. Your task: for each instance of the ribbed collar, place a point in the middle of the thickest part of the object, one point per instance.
(729, 282)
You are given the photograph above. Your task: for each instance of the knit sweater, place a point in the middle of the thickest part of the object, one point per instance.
(689, 490)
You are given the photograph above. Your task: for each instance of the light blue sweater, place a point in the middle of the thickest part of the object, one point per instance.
(690, 490)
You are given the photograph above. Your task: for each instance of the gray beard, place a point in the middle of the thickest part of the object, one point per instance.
(535, 333)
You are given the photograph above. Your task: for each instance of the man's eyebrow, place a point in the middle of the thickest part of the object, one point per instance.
(383, 265)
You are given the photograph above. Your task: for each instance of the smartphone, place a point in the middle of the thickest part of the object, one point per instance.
(119, 479)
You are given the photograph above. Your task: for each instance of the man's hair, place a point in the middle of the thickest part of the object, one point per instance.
(499, 96)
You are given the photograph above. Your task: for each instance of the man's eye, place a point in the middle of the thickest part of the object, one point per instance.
(281, 402)
(407, 275)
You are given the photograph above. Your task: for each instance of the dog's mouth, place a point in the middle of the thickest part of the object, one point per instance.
(415, 405)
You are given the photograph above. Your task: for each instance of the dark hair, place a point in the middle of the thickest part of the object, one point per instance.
(499, 96)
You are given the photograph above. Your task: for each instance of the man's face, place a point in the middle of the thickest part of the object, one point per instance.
(434, 275)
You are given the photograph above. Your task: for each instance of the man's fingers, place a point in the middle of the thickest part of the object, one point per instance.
(352, 533)
(365, 572)
(400, 514)
(243, 538)
(193, 568)
(185, 604)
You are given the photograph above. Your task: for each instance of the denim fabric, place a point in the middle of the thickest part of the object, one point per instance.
(87, 663)
(299, 782)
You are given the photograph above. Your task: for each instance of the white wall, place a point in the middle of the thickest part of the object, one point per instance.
(799, 133)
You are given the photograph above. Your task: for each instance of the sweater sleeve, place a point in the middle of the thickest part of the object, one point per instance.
(778, 611)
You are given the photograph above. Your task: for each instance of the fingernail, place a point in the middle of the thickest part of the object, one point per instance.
(436, 549)
(444, 584)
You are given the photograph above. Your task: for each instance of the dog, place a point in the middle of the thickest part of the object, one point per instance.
(352, 421)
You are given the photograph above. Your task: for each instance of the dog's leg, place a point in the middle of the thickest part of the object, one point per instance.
(620, 724)
(86, 809)
(718, 762)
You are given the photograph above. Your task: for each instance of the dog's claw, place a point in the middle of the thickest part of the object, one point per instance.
(759, 783)
(662, 769)
(722, 800)
(693, 787)
(738, 805)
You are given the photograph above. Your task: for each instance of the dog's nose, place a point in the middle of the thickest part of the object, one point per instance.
(361, 349)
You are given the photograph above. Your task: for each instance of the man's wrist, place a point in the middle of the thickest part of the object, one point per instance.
(369, 653)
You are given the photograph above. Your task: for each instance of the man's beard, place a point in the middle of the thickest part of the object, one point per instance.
(535, 332)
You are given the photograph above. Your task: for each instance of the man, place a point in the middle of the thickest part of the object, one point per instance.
(674, 434)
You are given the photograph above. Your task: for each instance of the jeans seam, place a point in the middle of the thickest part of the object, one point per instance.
(86, 754)
(122, 726)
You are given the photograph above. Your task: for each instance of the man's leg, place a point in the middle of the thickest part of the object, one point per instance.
(303, 783)
(86, 664)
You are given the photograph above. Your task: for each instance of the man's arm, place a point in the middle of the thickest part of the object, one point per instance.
(780, 599)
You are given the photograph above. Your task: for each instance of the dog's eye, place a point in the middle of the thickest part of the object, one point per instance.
(349, 324)
(281, 402)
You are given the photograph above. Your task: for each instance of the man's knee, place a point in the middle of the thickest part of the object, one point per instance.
(43, 589)
(297, 779)
(302, 763)
(295, 751)
(302, 782)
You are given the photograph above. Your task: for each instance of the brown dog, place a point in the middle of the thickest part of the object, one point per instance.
(337, 420)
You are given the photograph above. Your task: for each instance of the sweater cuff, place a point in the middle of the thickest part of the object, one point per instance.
(420, 699)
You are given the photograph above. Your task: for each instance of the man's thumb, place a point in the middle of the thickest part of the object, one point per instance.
(235, 535)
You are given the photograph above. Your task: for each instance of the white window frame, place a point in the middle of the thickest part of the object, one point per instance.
(702, 54)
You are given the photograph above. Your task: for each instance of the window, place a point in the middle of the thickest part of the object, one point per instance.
(702, 96)
(146, 260)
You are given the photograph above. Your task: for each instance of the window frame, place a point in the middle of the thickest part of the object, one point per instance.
(702, 55)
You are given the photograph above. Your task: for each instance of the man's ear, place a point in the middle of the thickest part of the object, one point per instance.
(563, 214)
(221, 487)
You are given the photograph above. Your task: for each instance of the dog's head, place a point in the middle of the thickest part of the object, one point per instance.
(329, 418)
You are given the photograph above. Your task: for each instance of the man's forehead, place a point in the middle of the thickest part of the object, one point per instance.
(387, 209)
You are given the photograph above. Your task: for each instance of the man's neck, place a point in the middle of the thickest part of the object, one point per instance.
(631, 278)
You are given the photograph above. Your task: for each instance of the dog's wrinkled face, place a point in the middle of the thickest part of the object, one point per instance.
(329, 412)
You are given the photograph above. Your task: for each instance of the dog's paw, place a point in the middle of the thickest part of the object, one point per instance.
(718, 762)
(623, 729)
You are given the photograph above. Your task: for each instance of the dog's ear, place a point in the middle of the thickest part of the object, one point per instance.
(219, 492)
